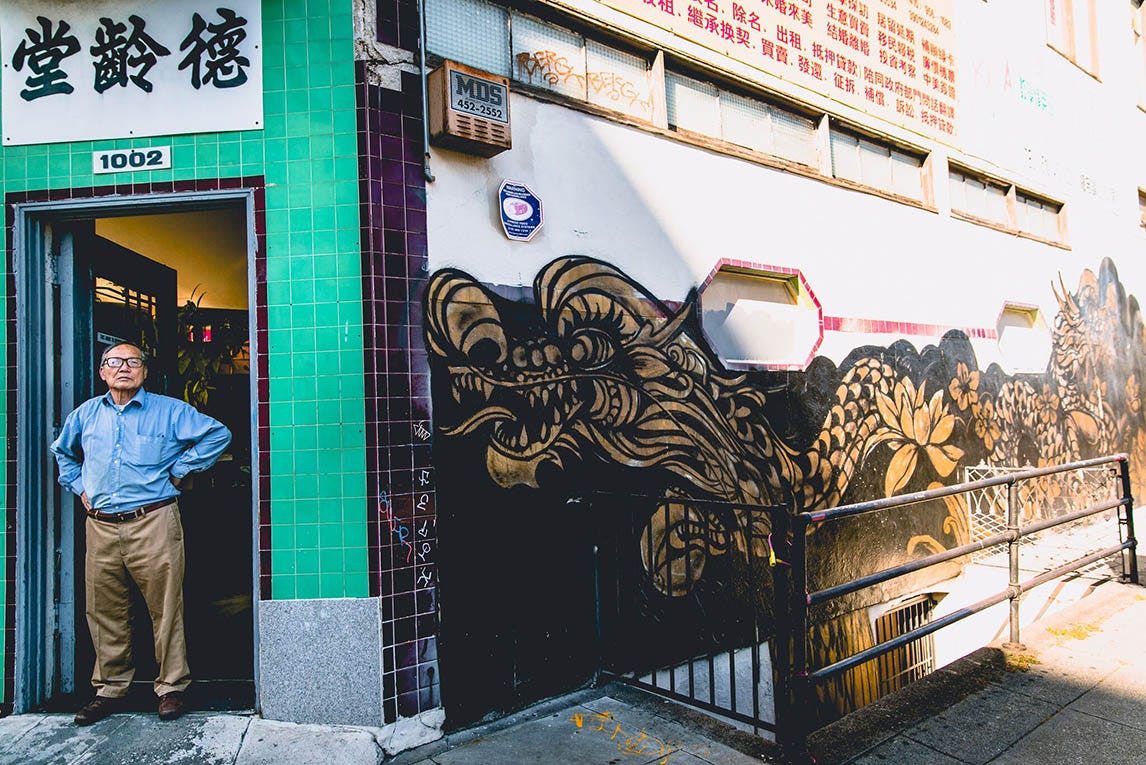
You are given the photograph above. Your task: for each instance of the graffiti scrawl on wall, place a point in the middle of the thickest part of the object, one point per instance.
(597, 371)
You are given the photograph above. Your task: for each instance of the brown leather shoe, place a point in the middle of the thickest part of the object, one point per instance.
(172, 705)
(97, 709)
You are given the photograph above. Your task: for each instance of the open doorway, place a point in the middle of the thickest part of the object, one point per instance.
(173, 279)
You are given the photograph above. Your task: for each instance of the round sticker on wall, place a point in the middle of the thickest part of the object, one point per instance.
(517, 209)
(521, 213)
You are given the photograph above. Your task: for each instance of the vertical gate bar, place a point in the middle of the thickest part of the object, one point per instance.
(756, 589)
(711, 680)
(691, 672)
(752, 566)
(1130, 558)
(756, 675)
(664, 508)
(692, 678)
(651, 557)
(800, 718)
(781, 605)
(734, 522)
(687, 540)
(596, 581)
(711, 677)
(732, 676)
(1013, 558)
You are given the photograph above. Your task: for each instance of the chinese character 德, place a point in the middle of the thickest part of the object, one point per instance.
(216, 60)
(43, 58)
(113, 57)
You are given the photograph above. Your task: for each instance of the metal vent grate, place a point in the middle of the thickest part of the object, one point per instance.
(480, 130)
(900, 667)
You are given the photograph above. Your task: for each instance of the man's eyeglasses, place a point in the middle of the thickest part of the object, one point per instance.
(115, 362)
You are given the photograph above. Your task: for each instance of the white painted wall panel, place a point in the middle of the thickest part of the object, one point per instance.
(665, 212)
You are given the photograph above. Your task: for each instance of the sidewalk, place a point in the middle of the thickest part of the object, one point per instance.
(613, 724)
(1076, 693)
(195, 739)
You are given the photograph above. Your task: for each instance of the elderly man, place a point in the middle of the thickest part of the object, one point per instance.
(124, 453)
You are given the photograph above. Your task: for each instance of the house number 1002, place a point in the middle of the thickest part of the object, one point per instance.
(127, 160)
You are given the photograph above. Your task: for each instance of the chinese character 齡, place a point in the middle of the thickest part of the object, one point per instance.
(216, 60)
(43, 58)
(113, 54)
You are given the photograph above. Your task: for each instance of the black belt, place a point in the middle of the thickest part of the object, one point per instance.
(130, 515)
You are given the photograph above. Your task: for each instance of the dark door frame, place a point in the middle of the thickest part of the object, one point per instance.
(45, 393)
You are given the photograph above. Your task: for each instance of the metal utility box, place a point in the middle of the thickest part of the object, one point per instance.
(469, 110)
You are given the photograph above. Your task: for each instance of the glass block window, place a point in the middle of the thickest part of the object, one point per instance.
(745, 121)
(1072, 30)
(1138, 29)
(794, 137)
(619, 81)
(692, 105)
(749, 122)
(1085, 34)
(878, 165)
(548, 56)
(1037, 217)
(973, 195)
(471, 32)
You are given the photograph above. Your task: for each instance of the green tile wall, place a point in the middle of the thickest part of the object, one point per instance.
(308, 156)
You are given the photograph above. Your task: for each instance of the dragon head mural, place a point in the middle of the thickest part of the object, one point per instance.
(610, 372)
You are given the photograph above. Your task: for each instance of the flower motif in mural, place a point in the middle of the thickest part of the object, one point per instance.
(1097, 395)
(913, 425)
(1047, 405)
(964, 388)
(983, 422)
(1133, 401)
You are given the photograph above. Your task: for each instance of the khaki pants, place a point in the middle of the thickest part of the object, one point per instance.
(150, 551)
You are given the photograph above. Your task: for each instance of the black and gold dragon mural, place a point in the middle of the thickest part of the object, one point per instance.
(592, 377)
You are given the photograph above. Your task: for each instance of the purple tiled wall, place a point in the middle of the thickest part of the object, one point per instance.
(400, 475)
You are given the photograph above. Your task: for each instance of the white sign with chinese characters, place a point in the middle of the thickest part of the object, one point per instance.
(128, 68)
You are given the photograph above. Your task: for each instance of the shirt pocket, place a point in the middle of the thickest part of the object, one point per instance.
(149, 449)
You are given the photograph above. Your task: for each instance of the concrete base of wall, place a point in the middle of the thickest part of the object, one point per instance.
(320, 661)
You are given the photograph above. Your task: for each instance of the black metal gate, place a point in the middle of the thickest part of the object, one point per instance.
(686, 601)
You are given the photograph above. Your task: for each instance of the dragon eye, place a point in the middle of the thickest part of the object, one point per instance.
(485, 352)
(482, 341)
(591, 348)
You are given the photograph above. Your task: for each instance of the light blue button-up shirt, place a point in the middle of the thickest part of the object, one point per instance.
(125, 457)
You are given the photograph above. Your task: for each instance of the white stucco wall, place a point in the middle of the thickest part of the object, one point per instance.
(666, 212)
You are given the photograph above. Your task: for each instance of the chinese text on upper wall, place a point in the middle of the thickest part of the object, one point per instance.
(893, 59)
(125, 68)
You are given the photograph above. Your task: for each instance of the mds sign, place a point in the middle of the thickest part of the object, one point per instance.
(479, 97)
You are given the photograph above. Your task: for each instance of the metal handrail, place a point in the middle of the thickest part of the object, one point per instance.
(799, 695)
